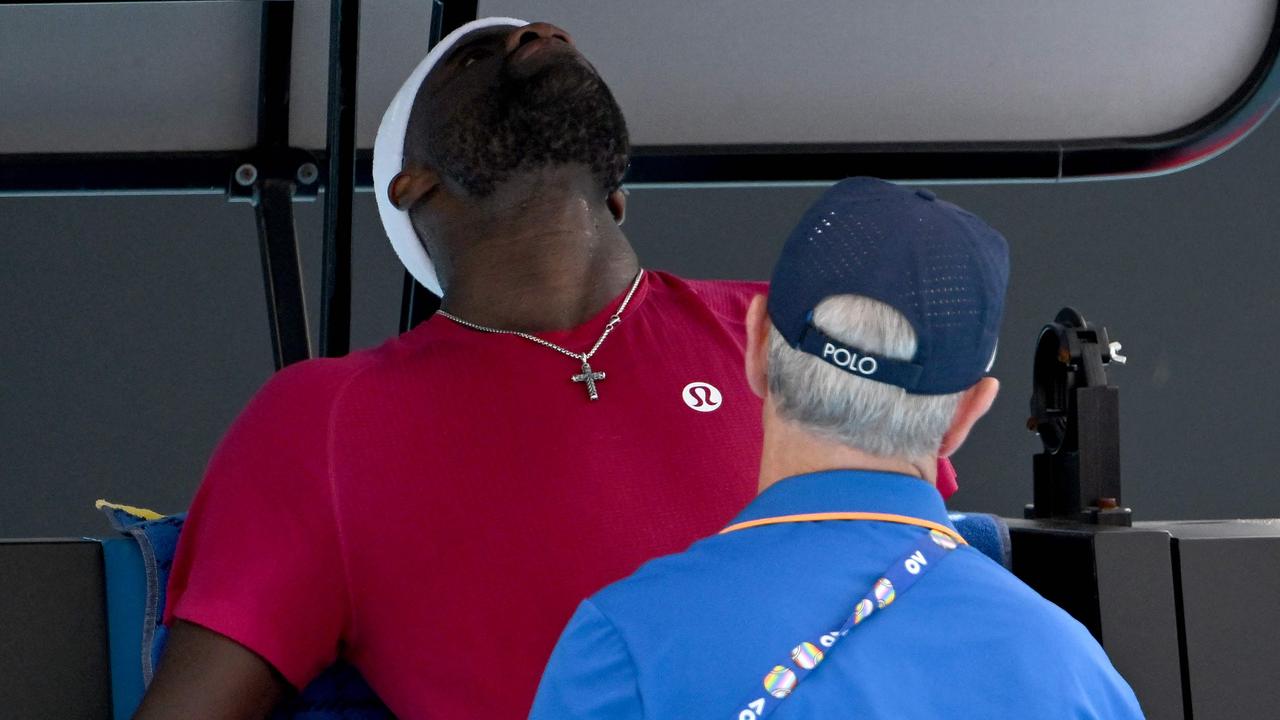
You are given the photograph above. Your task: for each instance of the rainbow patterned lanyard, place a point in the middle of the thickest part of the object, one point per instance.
(782, 680)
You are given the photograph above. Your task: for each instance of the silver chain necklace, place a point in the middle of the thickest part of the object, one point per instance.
(588, 376)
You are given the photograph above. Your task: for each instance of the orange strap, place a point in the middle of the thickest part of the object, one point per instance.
(878, 517)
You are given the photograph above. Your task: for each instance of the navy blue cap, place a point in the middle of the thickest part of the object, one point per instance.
(943, 268)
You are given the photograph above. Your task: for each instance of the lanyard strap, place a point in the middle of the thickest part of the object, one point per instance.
(779, 682)
(878, 517)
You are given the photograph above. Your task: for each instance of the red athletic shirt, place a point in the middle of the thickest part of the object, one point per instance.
(434, 509)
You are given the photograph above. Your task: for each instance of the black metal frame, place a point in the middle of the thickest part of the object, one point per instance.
(275, 165)
(270, 179)
(335, 291)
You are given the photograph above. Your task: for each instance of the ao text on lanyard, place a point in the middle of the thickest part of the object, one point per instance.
(933, 547)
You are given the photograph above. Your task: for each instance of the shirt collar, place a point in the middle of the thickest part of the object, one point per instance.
(849, 491)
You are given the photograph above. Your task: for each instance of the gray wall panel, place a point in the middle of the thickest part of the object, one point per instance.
(128, 77)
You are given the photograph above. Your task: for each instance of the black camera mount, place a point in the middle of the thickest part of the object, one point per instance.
(1076, 413)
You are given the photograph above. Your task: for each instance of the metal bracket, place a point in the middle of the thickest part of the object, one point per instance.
(298, 166)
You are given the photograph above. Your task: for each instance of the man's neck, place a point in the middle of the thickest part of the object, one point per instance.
(537, 260)
(790, 450)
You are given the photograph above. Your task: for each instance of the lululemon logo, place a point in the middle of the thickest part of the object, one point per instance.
(700, 396)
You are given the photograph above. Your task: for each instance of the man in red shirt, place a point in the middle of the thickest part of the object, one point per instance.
(433, 510)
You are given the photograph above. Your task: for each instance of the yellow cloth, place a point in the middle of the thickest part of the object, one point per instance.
(137, 512)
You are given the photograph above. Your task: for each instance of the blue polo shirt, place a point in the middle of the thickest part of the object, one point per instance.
(693, 635)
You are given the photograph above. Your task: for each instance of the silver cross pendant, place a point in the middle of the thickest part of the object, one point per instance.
(589, 377)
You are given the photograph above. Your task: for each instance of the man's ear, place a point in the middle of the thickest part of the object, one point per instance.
(974, 403)
(757, 356)
(617, 202)
(412, 185)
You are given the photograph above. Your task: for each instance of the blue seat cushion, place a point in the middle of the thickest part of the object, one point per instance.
(987, 533)
(338, 693)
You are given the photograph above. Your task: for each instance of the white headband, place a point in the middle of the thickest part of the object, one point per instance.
(388, 156)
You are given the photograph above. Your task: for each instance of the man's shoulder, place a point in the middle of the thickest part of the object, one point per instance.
(726, 299)
(728, 288)
(984, 586)
(320, 382)
(1016, 624)
(716, 294)
(731, 292)
(991, 602)
(669, 582)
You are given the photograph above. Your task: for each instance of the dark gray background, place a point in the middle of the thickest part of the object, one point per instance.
(136, 328)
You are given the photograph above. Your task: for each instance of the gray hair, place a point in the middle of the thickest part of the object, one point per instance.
(871, 416)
